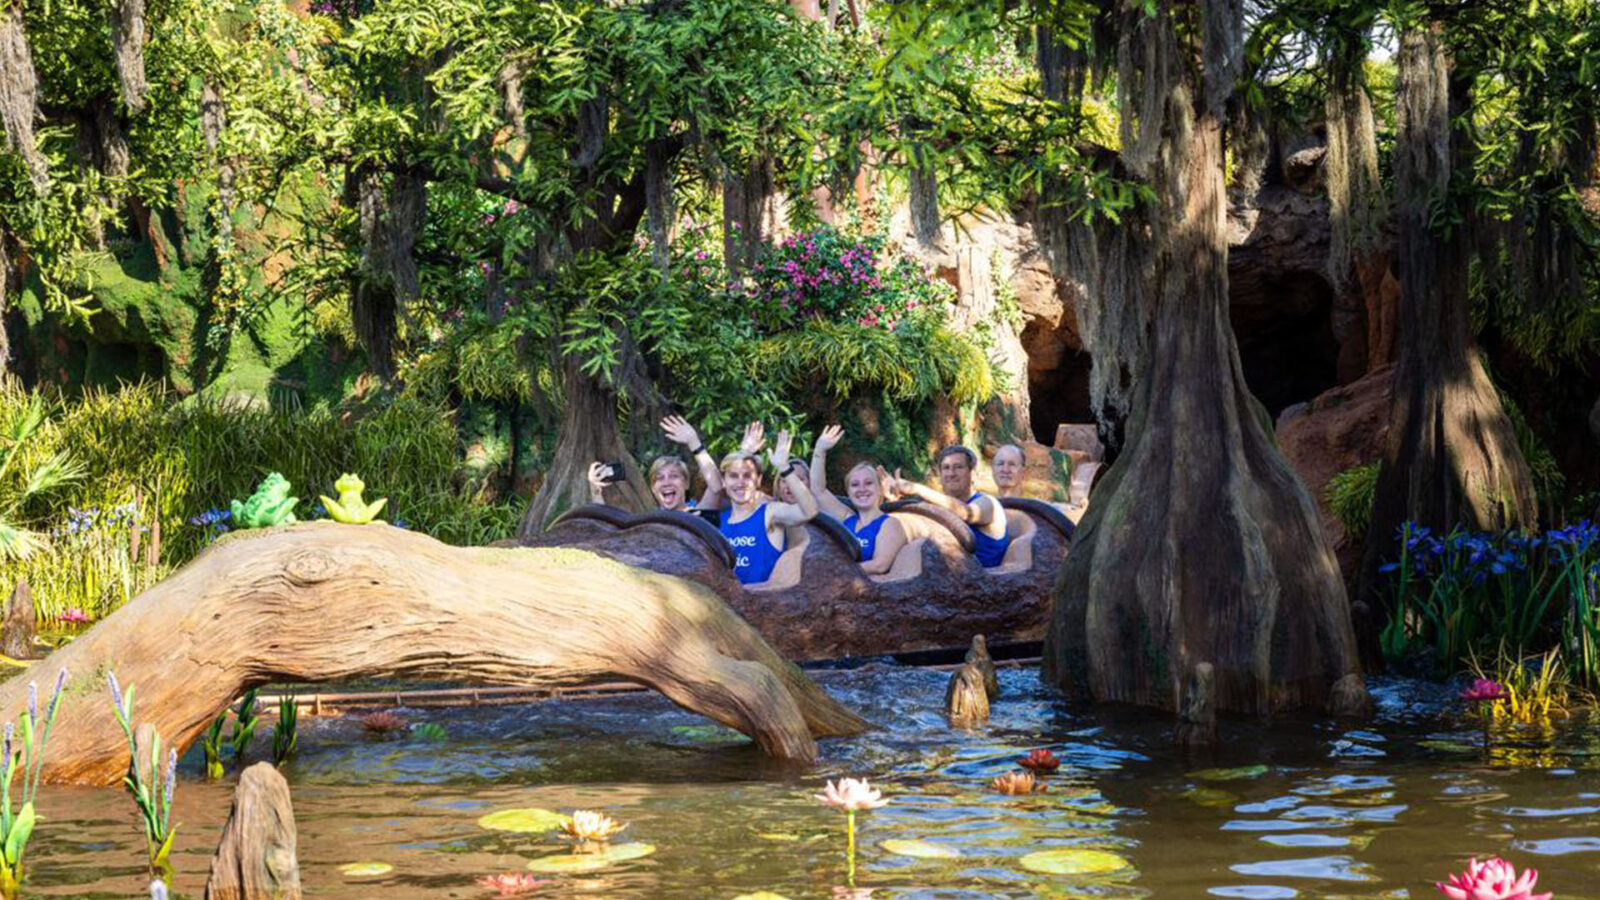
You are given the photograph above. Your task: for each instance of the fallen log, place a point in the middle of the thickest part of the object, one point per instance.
(318, 602)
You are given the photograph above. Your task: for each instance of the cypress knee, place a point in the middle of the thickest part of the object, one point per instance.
(979, 658)
(965, 701)
(21, 623)
(256, 859)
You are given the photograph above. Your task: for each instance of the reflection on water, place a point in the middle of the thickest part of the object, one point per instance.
(1300, 809)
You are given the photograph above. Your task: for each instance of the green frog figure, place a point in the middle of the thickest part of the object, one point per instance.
(269, 506)
(350, 508)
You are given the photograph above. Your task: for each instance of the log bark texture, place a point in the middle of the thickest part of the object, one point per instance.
(320, 602)
(256, 858)
(1202, 544)
(1452, 457)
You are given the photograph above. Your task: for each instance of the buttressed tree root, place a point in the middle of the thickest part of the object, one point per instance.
(322, 602)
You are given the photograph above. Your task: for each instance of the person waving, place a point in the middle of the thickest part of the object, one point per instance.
(754, 524)
(982, 513)
(878, 533)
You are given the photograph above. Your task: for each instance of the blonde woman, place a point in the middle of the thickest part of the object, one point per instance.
(878, 533)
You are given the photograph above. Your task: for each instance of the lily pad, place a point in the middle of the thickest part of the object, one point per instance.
(1449, 746)
(709, 734)
(1068, 861)
(1255, 771)
(523, 821)
(365, 869)
(920, 849)
(566, 863)
(1213, 797)
(777, 836)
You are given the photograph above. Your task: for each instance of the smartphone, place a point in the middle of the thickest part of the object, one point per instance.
(615, 473)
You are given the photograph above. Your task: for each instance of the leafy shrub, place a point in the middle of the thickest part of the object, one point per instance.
(1349, 495)
(148, 456)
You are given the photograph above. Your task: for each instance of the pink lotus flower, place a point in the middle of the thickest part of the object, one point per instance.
(1494, 879)
(1483, 689)
(851, 794)
(512, 883)
(74, 616)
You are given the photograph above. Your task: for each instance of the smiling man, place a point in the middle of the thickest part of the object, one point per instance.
(982, 513)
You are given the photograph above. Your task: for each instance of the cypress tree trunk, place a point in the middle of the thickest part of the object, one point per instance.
(19, 94)
(1202, 545)
(5, 303)
(1452, 457)
(588, 434)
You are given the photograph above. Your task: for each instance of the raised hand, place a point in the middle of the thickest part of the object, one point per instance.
(755, 435)
(679, 431)
(891, 484)
(597, 475)
(779, 457)
(829, 438)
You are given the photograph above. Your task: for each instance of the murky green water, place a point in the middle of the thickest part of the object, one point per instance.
(1378, 810)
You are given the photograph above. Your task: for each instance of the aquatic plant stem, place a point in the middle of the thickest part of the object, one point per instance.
(850, 847)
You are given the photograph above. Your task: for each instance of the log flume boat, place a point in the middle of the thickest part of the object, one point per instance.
(820, 605)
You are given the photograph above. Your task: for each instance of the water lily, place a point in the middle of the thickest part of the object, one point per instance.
(383, 722)
(1040, 761)
(1492, 879)
(1483, 689)
(512, 883)
(1016, 783)
(850, 795)
(587, 825)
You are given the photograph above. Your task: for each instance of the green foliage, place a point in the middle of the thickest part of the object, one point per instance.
(149, 456)
(245, 719)
(1349, 496)
(24, 757)
(27, 474)
(211, 745)
(153, 800)
(1464, 595)
(286, 731)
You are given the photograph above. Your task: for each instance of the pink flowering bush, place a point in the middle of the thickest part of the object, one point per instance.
(828, 276)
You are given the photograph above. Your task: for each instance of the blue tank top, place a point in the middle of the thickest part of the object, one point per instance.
(867, 536)
(753, 553)
(990, 551)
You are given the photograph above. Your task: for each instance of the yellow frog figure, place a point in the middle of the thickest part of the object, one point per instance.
(350, 508)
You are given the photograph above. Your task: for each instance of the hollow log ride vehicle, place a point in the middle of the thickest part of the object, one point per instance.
(818, 604)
